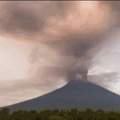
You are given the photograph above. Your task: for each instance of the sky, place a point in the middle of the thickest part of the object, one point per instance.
(46, 44)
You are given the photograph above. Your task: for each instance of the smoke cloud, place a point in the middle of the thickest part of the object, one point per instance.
(73, 29)
(65, 35)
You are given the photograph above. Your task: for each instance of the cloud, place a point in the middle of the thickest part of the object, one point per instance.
(105, 69)
(75, 35)
(27, 19)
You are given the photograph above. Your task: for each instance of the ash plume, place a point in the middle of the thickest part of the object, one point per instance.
(72, 30)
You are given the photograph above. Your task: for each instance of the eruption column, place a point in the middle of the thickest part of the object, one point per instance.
(77, 75)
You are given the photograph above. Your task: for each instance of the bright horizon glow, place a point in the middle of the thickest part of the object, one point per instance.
(13, 60)
(17, 72)
(106, 62)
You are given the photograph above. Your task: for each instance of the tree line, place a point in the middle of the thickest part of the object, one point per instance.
(72, 114)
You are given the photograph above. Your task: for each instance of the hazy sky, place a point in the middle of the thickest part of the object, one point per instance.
(45, 44)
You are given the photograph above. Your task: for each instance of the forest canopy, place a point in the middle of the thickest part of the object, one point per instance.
(72, 114)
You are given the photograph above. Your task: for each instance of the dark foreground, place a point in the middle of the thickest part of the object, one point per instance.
(72, 114)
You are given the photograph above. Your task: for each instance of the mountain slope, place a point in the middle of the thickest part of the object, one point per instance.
(76, 94)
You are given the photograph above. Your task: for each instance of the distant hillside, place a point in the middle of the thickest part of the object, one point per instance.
(76, 94)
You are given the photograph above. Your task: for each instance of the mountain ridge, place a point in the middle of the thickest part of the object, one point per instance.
(75, 94)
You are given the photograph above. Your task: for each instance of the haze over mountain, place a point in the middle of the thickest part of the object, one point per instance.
(44, 44)
(76, 94)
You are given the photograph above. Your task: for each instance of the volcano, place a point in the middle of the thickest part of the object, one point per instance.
(76, 94)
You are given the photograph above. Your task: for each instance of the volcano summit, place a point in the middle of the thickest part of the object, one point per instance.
(76, 94)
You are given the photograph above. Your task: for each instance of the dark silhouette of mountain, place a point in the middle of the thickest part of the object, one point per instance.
(76, 94)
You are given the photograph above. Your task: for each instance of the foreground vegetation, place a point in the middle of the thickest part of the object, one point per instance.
(72, 114)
